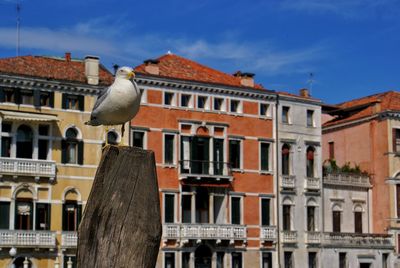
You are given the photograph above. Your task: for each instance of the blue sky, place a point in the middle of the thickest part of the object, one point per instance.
(351, 46)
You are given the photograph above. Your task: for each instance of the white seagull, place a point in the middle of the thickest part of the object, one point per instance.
(117, 104)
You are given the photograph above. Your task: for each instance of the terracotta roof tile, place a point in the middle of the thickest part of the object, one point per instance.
(51, 68)
(173, 66)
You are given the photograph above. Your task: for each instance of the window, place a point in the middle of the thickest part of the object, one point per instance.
(186, 100)
(336, 219)
(24, 214)
(385, 257)
(43, 216)
(46, 99)
(6, 139)
(288, 259)
(331, 145)
(112, 138)
(169, 98)
(396, 140)
(286, 221)
(310, 218)
(138, 139)
(310, 118)
(265, 212)
(70, 259)
(235, 106)
(5, 215)
(169, 208)
(186, 208)
(9, 95)
(169, 260)
(26, 97)
(219, 104)
(264, 109)
(236, 260)
(73, 102)
(266, 260)
(24, 142)
(264, 156)
(220, 259)
(342, 260)
(234, 154)
(358, 222)
(202, 102)
(285, 115)
(312, 260)
(185, 259)
(169, 145)
(71, 215)
(72, 148)
(43, 142)
(235, 210)
(285, 159)
(310, 162)
(398, 199)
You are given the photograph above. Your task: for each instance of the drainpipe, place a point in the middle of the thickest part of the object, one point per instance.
(278, 241)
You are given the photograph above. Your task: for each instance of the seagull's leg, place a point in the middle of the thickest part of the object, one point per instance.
(122, 134)
(106, 134)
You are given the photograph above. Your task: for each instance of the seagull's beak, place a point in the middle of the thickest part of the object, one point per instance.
(131, 75)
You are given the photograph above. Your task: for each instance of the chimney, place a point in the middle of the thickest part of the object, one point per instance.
(67, 56)
(92, 69)
(246, 79)
(151, 66)
(304, 93)
(377, 108)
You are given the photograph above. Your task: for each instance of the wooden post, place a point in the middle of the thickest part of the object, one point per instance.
(121, 225)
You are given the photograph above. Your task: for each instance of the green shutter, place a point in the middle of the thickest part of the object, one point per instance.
(64, 101)
(64, 217)
(80, 152)
(17, 96)
(2, 96)
(63, 151)
(4, 215)
(265, 210)
(81, 100)
(51, 101)
(36, 98)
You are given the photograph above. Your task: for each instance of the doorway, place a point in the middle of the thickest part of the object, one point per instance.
(203, 256)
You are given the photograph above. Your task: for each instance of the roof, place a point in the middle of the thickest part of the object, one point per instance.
(364, 107)
(177, 67)
(287, 94)
(52, 68)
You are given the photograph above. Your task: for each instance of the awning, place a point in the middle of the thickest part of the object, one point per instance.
(24, 116)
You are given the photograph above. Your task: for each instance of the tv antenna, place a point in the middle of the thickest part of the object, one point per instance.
(310, 82)
(18, 26)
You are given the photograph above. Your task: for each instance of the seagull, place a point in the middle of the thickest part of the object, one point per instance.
(118, 103)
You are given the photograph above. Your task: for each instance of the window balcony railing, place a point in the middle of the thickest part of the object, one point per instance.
(347, 179)
(194, 231)
(312, 183)
(288, 181)
(358, 240)
(27, 239)
(27, 167)
(313, 237)
(268, 233)
(289, 237)
(199, 168)
(69, 239)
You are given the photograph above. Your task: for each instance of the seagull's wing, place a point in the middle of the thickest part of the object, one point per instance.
(101, 97)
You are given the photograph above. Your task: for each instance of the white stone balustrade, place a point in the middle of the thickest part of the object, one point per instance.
(27, 239)
(204, 231)
(288, 181)
(268, 233)
(289, 236)
(69, 239)
(313, 237)
(312, 183)
(27, 167)
(358, 240)
(348, 179)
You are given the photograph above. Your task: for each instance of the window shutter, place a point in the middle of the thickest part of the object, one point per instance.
(2, 96)
(48, 220)
(394, 139)
(5, 215)
(81, 100)
(80, 152)
(64, 101)
(63, 151)
(17, 96)
(51, 101)
(64, 217)
(36, 98)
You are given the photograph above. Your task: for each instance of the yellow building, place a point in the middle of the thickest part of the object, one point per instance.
(48, 156)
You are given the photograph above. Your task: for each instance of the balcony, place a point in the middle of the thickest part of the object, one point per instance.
(355, 240)
(288, 181)
(289, 237)
(208, 170)
(27, 239)
(312, 184)
(188, 231)
(268, 233)
(313, 237)
(27, 167)
(69, 239)
(347, 179)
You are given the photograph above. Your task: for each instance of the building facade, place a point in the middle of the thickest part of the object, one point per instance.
(48, 156)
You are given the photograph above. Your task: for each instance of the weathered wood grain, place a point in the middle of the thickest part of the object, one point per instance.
(121, 226)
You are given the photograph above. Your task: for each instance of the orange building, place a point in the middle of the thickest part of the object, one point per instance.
(213, 138)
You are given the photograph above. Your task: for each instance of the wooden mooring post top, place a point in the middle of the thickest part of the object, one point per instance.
(121, 226)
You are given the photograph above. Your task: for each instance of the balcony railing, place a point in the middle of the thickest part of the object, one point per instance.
(205, 168)
(288, 181)
(312, 183)
(313, 237)
(358, 240)
(27, 239)
(347, 179)
(69, 239)
(27, 167)
(188, 231)
(289, 237)
(268, 233)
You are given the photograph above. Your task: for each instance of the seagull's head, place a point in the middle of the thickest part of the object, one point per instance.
(125, 73)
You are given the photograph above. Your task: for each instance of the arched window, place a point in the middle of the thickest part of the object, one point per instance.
(72, 148)
(24, 142)
(336, 218)
(310, 161)
(72, 211)
(311, 215)
(358, 221)
(23, 210)
(285, 159)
